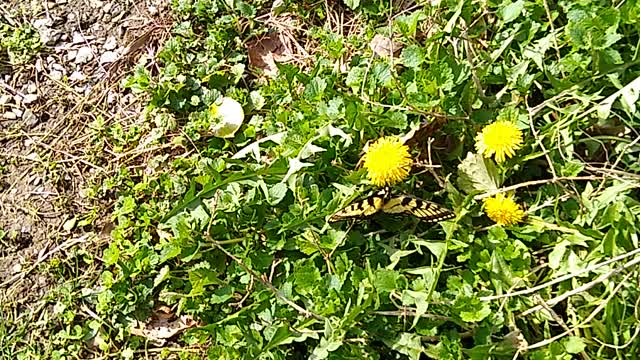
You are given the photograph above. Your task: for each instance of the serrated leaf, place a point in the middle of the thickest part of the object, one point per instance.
(574, 345)
(407, 344)
(162, 275)
(254, 148)
(479, 313)
(295, 165)
(412, 56)
(111, 254)
(309, 149)
(337, 132)
(386, 280)
(256, 99)
(315, 88)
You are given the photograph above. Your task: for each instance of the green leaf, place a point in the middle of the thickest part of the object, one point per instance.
(408, 344)
(256, 99)
(352, 4)
(408, 24)
(315, 89)
(277, 193)
(386, 280)
(512, 11)
(628, 96)
(454, 19)
(476, 313)
(412, 56)
(111, 254)
(477, 174)
(326, 346)
(162, 275)
(574, 344)
(556, 256)
(306, 277)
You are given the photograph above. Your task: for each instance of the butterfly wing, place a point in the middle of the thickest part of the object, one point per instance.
(424, 210)
(362, 208)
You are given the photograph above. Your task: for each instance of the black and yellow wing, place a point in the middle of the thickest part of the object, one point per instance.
(410, 205)
(362, 208)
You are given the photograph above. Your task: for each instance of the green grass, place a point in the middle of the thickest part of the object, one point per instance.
(19, 43)
(243, 246)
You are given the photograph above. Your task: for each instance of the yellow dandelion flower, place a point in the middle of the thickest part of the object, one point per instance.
(387, 161)
(501, 138)
(503, 209)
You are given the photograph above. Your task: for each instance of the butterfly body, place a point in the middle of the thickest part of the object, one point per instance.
(384, 202)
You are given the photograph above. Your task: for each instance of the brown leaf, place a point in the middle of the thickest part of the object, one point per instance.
(160, 326)
(265, 52)
(383, 46)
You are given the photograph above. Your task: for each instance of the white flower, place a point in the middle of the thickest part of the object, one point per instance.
(230, 116)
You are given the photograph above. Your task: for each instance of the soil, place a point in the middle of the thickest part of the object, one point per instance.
(49, 155)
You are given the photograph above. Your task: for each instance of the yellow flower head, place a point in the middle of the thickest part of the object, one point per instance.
(387, 161)
(501, 138)
(503, 209)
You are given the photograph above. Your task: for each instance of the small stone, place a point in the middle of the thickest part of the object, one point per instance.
(111, 97)
(110, 44)
(77, 38)
(107, 7)
(33, 157)
(41, 23)
(128, 98)
(30, 118)
(84, 55)
(32, 88)
(71, 55)
(56, 75)
(115, 10)
(108, 57)
(39, 65)
(9, 116)
(58, 67)
(152, 10)
(28, 99)
(16, 268)
(49, 36)
(18, 112)
(77, 76)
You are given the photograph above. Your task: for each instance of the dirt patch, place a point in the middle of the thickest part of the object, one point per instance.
(48, 152)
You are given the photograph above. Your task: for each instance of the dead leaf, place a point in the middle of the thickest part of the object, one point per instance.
(160, 326)
(383, 46)
(265, 52)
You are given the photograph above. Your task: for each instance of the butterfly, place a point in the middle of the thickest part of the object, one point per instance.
(383, 201)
